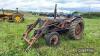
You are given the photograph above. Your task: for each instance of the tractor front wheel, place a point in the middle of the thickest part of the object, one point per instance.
(52, 39)
(18, 18)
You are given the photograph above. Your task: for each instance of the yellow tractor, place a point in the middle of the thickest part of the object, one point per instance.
(12, 17)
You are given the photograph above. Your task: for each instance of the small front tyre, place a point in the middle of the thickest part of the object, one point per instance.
(52, 39)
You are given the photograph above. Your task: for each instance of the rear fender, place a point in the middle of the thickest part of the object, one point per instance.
(76, 18)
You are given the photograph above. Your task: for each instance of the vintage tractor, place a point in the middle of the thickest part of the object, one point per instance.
(51, 27)
(12, 17)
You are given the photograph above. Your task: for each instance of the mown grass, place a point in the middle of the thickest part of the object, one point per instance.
(12, 44)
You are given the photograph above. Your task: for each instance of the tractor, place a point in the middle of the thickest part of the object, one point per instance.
(11, 17)
(51, 27)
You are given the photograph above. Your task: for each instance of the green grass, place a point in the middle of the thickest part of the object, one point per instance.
(11, 43)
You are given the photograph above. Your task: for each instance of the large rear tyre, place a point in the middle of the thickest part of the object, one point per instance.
(76, 29)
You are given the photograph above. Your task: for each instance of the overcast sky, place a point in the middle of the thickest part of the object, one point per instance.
(48, 5)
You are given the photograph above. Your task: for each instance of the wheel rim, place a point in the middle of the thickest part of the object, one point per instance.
(17, 18)
(54, 40)
(78, 29)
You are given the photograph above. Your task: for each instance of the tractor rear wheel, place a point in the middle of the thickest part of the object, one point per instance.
(52, 39)
(17, 18)
(76, 29)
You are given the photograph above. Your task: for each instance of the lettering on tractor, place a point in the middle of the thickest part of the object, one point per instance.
(12, 17)
(51, 27)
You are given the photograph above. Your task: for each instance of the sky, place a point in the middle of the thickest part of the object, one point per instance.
(48, 5)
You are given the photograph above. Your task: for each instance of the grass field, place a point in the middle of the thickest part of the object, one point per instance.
(11, 43)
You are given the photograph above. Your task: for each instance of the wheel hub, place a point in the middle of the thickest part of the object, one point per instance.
(54, 39)
(78, 29)
(17, 18)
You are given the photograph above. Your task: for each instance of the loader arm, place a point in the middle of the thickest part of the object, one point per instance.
(35, 37)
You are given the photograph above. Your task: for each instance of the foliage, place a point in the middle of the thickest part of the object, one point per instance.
(91, 15)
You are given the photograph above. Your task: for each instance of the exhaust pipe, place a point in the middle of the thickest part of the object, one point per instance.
(55, 11)
(2, 11)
